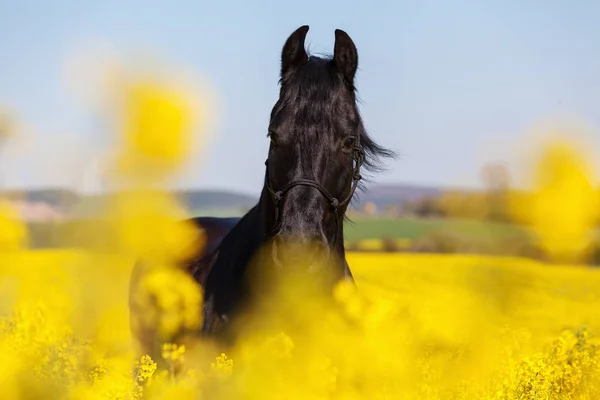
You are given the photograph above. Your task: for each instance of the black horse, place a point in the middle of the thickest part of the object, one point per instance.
(318, 147)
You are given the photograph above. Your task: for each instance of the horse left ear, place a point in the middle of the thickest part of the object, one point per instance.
(293, 52)
(345, 56)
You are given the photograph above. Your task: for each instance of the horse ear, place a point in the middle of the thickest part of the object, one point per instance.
(293, 52)
(345, 56)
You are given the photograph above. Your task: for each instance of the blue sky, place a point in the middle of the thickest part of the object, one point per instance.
(448, 84)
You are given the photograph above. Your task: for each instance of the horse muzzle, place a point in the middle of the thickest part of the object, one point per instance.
(311, 256)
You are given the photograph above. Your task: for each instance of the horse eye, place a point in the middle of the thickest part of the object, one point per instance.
(272, 137)
(350, 141)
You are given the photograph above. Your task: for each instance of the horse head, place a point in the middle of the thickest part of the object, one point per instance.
(318, 149)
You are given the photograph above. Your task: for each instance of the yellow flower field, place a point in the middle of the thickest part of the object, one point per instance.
(421, 326)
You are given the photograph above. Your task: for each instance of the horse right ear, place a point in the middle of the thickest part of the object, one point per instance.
(293, 52)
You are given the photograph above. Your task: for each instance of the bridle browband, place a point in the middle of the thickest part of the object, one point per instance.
(358, 157)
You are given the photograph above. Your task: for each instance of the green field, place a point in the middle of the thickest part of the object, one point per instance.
(413, 228)
(406, 228)
(372, 234)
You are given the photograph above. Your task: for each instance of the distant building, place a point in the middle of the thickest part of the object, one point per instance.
(37, 211)
(370, 208)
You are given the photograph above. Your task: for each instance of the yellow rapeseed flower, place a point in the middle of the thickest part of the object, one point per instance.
(150, 224)
(158, 123)
(13, 233)
(173, 352)
(222, 367)
(170, 299)
(564, 206)
(146, 368)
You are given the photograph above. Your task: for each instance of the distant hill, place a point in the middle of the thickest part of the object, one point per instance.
(212, 202)
(62, 199)
(206, 202)
(381, 195)
(198, 200)
(395, 194)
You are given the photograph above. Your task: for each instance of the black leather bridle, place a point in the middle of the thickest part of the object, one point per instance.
(358, 157)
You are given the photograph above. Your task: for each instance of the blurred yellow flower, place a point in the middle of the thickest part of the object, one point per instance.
(13, 233)
(170, 300)
(222, 367)
(173, 352)
(150, 225)
(158, 125)
(564, 206)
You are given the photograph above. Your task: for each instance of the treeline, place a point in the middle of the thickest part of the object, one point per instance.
(512, 207)
(497, 202)
(498, 207)
(449, 242)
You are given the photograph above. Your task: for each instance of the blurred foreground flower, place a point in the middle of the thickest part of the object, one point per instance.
(141, 212)
(170, 300)
(13, 233)
(6, 126)
(158, 122)
(564, 205)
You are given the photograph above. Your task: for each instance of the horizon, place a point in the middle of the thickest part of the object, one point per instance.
(236, 192)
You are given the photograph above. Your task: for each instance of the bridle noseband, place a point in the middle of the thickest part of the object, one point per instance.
(358, 157)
